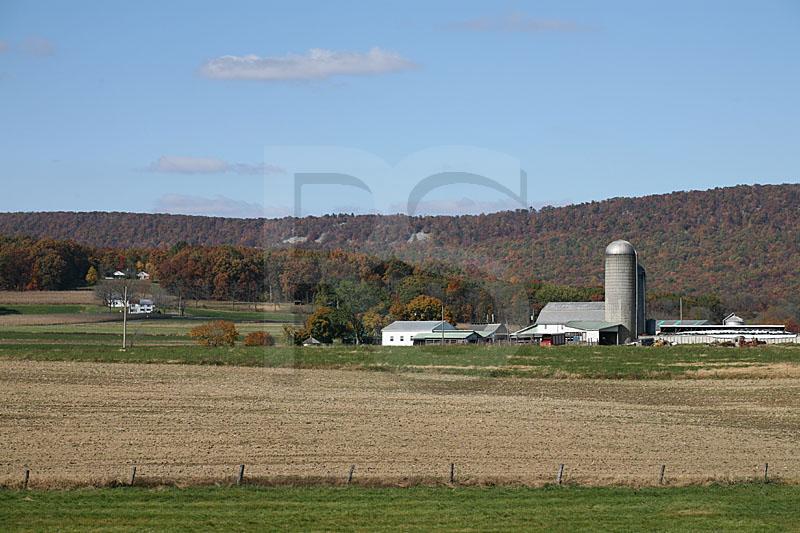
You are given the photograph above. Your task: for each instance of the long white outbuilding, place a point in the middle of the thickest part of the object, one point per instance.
(402, 332)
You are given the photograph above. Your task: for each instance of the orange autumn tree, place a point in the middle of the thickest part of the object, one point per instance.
(216, 333)
(425, 307)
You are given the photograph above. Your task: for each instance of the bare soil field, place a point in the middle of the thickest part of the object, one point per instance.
(58, 319)
(86, 423)
(81, 297)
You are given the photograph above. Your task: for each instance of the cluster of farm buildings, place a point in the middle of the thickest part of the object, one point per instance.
(620, 319)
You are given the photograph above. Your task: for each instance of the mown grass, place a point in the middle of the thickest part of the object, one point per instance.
(145, 329)
(606, 362)
(747, 507)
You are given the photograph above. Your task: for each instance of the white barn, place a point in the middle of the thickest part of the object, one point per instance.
(401, 332)
(573, 322)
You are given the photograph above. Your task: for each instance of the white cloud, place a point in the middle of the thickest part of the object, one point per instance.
(516, 23)
(38, 46)
(220, 206)
(313, 65)
(172, 164)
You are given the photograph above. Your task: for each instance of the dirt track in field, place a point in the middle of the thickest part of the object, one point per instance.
(87, 422)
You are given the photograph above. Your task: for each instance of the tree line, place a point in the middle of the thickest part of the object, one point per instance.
(357, 292)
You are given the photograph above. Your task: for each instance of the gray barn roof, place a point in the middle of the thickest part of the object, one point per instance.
(486, 330)
(563, 312)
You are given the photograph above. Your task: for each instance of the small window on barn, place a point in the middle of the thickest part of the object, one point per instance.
(391, 338)
(401, 338)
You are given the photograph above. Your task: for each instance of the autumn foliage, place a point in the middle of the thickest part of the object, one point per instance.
(259, 338)
(216, 333)
(707, 253)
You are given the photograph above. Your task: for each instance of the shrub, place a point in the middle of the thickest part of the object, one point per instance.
(259, 338)
(294, 335)
(216, 333)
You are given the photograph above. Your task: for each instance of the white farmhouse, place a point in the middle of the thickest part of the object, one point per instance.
(401, 332)
(143, 276)
(143, 307)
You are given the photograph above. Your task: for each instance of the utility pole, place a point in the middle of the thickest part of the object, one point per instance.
(681, 301)
(125, 318)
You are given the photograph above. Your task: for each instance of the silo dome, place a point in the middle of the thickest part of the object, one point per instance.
(620, 247)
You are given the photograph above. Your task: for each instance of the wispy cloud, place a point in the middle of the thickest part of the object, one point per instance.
(516, 23)
(38, 46)
(218, 206)
(315, 64)
(171, 164)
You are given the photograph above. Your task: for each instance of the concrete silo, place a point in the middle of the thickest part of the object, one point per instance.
(621, 283)
(641, 300)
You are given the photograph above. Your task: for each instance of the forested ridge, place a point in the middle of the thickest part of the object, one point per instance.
(740, 242)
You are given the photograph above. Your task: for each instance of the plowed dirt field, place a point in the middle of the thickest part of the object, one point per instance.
(83, 423)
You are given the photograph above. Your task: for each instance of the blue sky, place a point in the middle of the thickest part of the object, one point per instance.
(211, 108)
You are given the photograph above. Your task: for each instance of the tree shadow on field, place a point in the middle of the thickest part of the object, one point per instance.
(7, 311)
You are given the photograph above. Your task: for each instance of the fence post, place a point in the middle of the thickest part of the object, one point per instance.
(240, 477)
(661, 475)
(766, 472)
(26, 475)
(560, 473)
(133, 476)
(350, 474)
(452, 472)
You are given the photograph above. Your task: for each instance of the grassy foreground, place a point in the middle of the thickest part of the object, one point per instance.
(748, 507)
(604, 362)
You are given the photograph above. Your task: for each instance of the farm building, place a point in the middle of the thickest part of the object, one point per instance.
(311, 341)
(491, 332)
(573, 331)
(142, 307)
(456, 336)
(402, 332)
(619, 319)
(732, 328)
(143, 276)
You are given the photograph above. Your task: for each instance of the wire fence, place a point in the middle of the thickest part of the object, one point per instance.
(452, 474)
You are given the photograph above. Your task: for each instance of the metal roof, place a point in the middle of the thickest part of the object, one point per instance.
(418, 326)
(529, 330)
(585, 325)
(486, 330)
(681, 322)
(563, 312)
(457, 334)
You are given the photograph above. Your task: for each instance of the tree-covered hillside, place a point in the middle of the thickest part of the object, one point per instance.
(740, 242)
